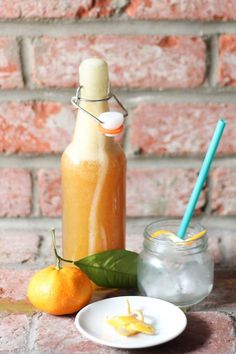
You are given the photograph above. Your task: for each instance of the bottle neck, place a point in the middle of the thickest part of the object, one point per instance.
(87, 140)
(85, 123)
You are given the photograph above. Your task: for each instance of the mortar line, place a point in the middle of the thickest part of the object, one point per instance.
(35, 265)
(33, 331)
(131, 97)
(43, 224)
(37, 224)
(35, 195)
(179, 162)
(214, 61)
(53, 161)
(22, 59)
(208, 61)
(209, 194)
(26, 61)
(127, 144)
(41, 242)
(223, 250)
(32, 162)
(122, 26)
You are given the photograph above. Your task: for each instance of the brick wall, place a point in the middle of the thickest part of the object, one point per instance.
(173, 63)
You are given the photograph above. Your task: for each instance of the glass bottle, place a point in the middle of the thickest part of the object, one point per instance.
(93, 170)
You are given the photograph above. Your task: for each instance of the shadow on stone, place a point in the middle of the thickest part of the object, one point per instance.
(192, 340)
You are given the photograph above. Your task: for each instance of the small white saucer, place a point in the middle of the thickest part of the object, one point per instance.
(168, 320)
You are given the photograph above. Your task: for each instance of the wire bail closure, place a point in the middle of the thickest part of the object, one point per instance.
(107, 126)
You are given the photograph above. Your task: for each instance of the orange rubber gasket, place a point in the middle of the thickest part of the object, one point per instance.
(111, 131)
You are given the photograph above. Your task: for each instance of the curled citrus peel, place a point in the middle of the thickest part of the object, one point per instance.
(176, 239)
(130, 324)
(169, 234)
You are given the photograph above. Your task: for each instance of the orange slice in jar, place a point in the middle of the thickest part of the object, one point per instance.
(176, 239)
(195, 237)
(169, 234)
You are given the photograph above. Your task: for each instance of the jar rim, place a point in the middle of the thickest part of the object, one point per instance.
(178, 245)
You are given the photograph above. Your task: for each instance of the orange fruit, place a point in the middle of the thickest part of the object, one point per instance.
(59, 291)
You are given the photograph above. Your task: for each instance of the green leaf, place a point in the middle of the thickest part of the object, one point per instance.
(111, 269)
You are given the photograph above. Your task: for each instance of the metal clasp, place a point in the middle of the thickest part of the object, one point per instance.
(75, 100)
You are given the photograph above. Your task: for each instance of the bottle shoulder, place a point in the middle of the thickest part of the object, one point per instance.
(112, 152)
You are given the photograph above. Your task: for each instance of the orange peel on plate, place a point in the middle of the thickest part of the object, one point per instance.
(131, 324)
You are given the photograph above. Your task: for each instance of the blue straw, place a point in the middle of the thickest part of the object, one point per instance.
(201, 178)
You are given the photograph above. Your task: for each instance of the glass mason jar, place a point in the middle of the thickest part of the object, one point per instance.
(181, 273)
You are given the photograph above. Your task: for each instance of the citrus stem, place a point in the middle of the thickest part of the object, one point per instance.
(57, 257)
(58, 263)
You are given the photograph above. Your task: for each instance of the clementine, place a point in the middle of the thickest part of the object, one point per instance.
(59, 291)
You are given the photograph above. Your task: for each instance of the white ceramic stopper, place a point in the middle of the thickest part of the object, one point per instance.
(111, 121)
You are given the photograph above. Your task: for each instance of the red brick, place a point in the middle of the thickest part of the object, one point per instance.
(14, 330)
(44, 9)
(43, 127)
(178, 9)
(15, 193)
(18, 246)
(60, 334)
(207, 332)
(223, 200)
(10, 68)
(181, 129)
(160, 191)
(227, 60)
(50, 192)
(13, 284)
(138, 9)
(163, 62)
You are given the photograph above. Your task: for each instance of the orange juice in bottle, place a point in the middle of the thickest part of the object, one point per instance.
(93, 169)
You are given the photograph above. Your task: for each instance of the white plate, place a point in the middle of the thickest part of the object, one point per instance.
(168, 320)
